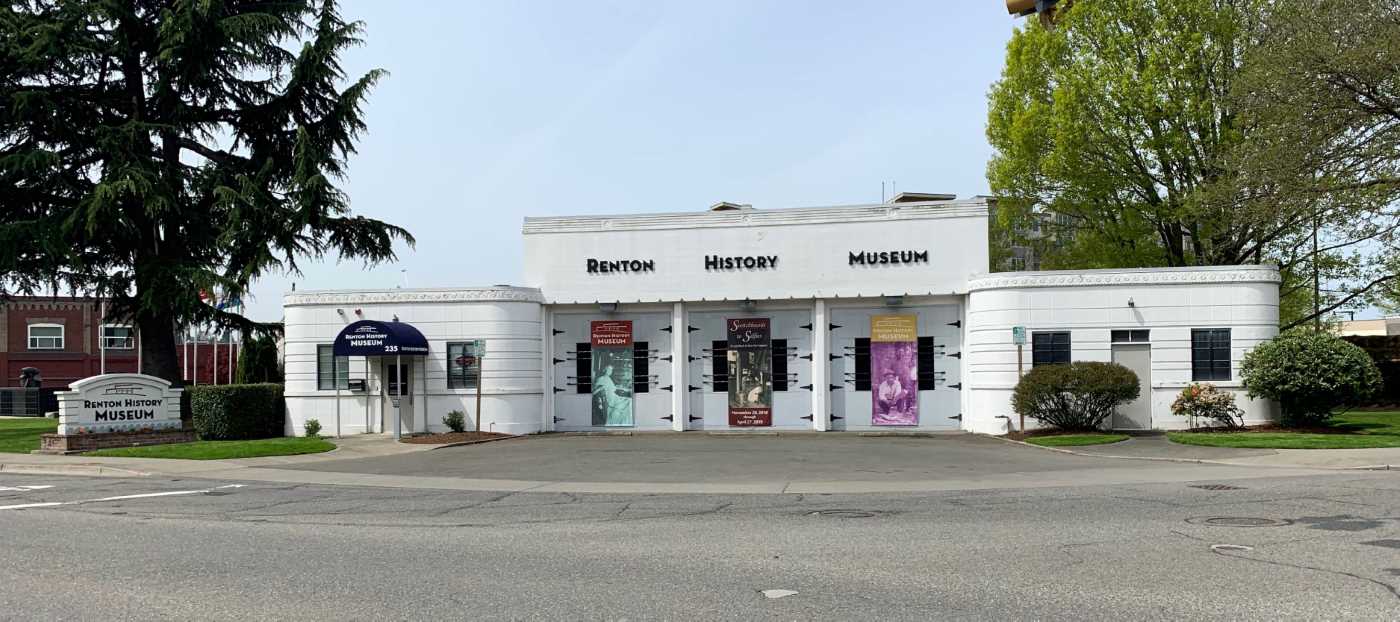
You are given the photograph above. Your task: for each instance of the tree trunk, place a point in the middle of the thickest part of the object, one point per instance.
(158, 357)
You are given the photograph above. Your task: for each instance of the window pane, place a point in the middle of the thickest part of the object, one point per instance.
(862, 364)
(641, 367)
(461, 376)
(719, 366)
(46, 331)
(780, 364)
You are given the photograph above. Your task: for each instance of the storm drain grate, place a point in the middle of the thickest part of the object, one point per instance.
(1239, 521)
(1216, 487)
(843, 513)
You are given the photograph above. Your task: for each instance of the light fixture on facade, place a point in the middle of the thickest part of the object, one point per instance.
(1131, 304)
(747, 305)
(894, 301)
(607, 307)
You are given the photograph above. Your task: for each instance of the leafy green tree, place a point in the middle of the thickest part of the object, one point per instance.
(1310, 374)
(153, 149)
(257, 361)
(1173, 133)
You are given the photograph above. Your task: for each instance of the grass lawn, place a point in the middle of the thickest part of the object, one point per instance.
(21, 436)
(1354, 430)
(223, 450)
(1076, 440)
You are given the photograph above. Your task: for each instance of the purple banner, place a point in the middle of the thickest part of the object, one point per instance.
(894, 369)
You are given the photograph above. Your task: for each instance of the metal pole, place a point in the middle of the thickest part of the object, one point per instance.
(140, 368)
(337, 410)
(215, 359)
(101, 338)
(398, 401)
(194, 364)
(367, 390)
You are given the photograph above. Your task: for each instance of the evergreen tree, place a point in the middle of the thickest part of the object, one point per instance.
(154, 149)
(257, 361)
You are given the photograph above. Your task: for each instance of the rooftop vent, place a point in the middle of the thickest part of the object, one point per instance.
(919, 197)
(726, 206)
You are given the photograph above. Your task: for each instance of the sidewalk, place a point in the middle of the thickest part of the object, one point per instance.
(1157, 447)
(350, 447)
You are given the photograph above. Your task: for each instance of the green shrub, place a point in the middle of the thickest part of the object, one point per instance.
(1076, 396)
(313, 428)
(456, 421)
(257, 361)
(1310, 374)
(1206, 401)
(236, 412)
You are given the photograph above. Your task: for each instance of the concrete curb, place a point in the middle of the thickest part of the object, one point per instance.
(89, 470)
(477, 442)
(1374, 467)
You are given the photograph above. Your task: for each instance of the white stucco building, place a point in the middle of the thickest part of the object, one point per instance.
(627, 321)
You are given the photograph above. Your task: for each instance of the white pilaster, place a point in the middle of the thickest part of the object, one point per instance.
(680, 415)
(821, 368)
(546, 369)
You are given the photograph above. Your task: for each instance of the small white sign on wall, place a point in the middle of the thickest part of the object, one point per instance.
(118, 403)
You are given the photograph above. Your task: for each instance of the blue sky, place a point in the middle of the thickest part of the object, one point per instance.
(497, 110)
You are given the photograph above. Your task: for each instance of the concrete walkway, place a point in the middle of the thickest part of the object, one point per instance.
(1158, 447)
(701, 464)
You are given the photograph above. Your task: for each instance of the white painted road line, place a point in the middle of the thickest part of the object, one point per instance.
(29, 505)
(22, 488)
(168, 493)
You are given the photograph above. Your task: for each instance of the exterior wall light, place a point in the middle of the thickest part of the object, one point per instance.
(1131, 303)
(607, 307)
(894, 301)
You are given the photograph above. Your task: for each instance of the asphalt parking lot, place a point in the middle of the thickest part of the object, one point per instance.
(718, 459)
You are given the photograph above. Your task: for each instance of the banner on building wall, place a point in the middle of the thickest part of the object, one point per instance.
(750, 372)
(894, 369)
(611, 350)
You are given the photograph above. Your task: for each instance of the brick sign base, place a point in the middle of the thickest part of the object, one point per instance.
(78, 443)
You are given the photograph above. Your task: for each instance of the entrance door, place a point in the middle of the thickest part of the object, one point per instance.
(1135, 415)
(398, 381)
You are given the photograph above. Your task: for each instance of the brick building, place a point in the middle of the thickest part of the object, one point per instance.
(64, 338)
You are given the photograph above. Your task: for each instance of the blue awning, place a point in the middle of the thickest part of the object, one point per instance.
(374, 338)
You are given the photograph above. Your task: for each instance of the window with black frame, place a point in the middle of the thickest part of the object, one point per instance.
(1050, 348)
(1210, 354)
(463, 369)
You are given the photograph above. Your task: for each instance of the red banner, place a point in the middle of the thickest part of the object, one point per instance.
(610, 333)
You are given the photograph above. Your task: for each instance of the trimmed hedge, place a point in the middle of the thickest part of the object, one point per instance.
(1385, 351)
(237, 412)
(1074, 396)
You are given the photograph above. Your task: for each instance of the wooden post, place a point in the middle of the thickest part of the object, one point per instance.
(1019, 366)
(480, 360)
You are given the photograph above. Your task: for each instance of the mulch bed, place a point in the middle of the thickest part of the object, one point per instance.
(453, 437)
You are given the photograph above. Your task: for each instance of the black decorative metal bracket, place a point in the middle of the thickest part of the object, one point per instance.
(957, 417)
(806, 326)
(667, 388)
(694, 418)
(835, 418)
(806, 357)
(666, 330)
(835, 387)
(807, 387)
(807, 418)
(668, 418)
(666, 358)
(833, 326)
(558, 361)
(558, 419)
(559, 332)
(835, 357)
(957, 386)
(691, 387)
(691, 329)
(957, 323)
(955, 355)
(558, 390)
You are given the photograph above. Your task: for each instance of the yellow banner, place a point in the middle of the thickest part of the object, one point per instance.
(893, 328)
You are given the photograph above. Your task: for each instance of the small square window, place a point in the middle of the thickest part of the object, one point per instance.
(118, 337)
(1131, 336)
(1050, 348)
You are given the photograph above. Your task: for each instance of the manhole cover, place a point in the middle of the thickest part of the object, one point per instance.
(843, 513)
(1239, 521)
(1216, 487)
(1231, 547)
